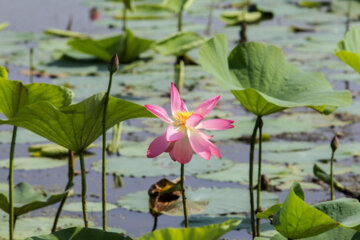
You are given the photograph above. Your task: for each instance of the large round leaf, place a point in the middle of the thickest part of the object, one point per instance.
(33, 163)
(27, 199)
(75, 127)
(263, 81)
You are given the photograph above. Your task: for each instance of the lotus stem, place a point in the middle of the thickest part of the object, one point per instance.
(258, 220)
(180, 19)
(71, 171)
(116, 137)
(31, 65)
(83, 188)
(348, 15)
(210, 18)
(334, 145)
(251, 186)
(124, 19)
(332, 176)
(155, 223)
(179, 74)
(11, 185)
(106, 101)
(184, 196)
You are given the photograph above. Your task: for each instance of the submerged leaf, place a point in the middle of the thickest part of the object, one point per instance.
(263, 81)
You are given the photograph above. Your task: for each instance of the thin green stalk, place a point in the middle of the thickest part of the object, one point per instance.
(116, 138)
(104, 152)
(348, 15)
(260, 125)
(31, 65)
(71, 171)
(251, 186)
(332, 175)
(124, 19)
(180, 20)
(183, 196)
(11, 185)
(83, 188)
(179, 74)
(210, 18)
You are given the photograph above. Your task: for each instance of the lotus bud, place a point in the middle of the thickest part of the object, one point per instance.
(114, 64)
(334, 143)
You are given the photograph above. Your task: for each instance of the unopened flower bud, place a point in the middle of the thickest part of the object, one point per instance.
(334, 143)
(114, 64)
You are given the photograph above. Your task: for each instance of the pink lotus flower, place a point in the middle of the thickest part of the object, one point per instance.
(183, 135)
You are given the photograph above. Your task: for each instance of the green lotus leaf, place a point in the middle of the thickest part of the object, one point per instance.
(177, 6)
(236, 17)
(178, 43)
(348, 49)
(78, 233)
(211, 232)
(76, 126)
(263, 81)
(64, 33)
(15, 96)
(27, 199)
(295, 219)
(3, 25)
(3, 72)
(146, 11)
(127, 46)
(324, 176)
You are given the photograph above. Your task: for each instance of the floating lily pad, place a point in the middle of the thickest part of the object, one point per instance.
(27, 227)
(239, 173)
(161, 166)
(91, 207)
(33, 163)
(146, 11)
(289, 123)
(221, 200)
(79, 233)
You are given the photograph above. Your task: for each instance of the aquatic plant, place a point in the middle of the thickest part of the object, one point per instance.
(183, 135)
(264, 82)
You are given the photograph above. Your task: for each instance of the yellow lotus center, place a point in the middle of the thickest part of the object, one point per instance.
(181, 117)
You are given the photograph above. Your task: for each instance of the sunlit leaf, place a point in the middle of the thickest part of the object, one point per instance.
(15, 96)
(3, 25)
(75, 127)
(64, 33)
(211, 232)
(348, 49)
(178, 5)
(262, 79)
(127, 46)
(178, 43)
